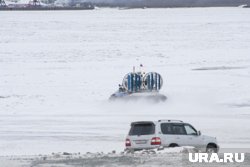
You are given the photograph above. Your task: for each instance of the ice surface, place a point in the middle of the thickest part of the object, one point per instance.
(57, 70)
(171, 157)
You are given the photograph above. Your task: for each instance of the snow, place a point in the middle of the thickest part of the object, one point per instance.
(169, 157)
(58, 69)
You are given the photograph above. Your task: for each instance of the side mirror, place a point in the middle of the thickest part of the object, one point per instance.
(199, 133)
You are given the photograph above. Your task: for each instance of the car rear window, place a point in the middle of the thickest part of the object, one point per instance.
(142, 129)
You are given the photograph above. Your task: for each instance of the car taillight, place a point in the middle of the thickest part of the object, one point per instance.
(156, 141)
(128, 143)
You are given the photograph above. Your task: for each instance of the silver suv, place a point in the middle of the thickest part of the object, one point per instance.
(168, 133)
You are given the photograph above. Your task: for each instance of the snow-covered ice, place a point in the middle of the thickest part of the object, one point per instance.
(58, 69)
(170, 157)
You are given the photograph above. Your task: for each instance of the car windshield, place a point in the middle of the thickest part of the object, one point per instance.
(142, 129)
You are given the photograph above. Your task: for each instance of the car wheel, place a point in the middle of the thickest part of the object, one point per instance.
(173, 145)
(211, 149)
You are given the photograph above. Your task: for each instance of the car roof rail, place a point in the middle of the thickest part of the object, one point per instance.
(170, 120)
(142, 122)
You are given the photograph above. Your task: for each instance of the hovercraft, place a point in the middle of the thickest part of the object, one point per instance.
(140, 85)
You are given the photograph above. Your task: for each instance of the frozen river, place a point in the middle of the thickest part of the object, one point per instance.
(58, 69)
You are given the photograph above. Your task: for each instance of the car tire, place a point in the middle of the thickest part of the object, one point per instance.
(211, 148)
(173, 145)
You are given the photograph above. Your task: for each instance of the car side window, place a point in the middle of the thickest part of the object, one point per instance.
(179, 129)
(190, 130)
(166, 128)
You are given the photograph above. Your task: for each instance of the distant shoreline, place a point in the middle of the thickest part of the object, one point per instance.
(84, 8)
(43, 8)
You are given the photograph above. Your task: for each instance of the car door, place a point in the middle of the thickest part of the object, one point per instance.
(180, 134)
(193, 139)
(167, 136)
(173, 133)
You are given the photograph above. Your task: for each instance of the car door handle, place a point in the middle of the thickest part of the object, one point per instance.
(177, 137)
